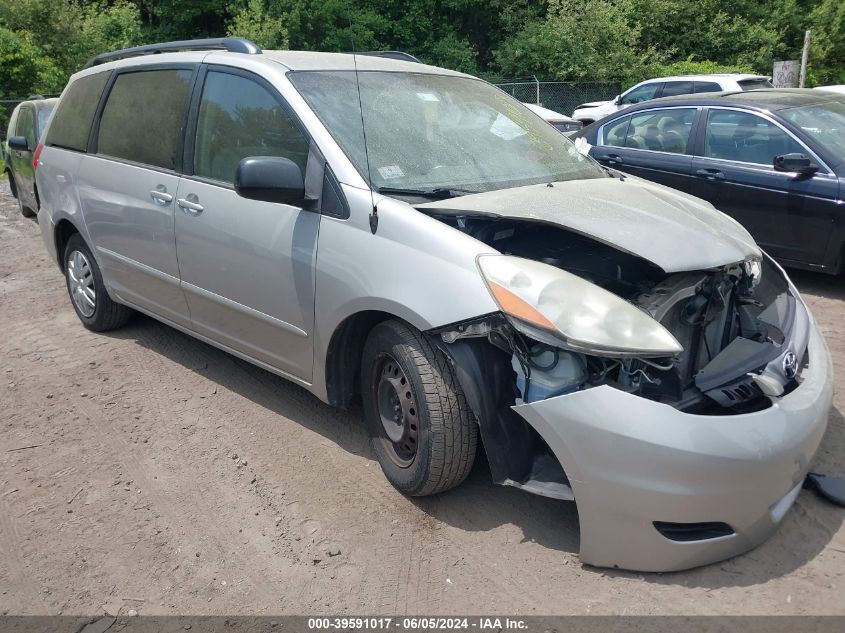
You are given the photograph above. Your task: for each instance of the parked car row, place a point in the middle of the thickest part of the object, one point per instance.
(773, 159)
(610, 340)
(669, 87)
(28, 121)
(560, 122)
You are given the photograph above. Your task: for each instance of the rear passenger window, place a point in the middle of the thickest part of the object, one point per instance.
(238, 117)
(614, 132)
(672, 88)
(144, 115)
(661, 130)
(707, 86)
(75, 113)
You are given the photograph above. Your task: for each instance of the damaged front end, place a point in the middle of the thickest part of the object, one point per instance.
(579, 315)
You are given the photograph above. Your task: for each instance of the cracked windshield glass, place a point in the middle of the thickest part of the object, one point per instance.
(433, 132)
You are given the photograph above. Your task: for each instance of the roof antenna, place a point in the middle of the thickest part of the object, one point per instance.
(374, 213)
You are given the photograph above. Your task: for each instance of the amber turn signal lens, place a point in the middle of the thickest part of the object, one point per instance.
(516, 307)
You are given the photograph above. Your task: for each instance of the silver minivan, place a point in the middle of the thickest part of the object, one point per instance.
(379, 230)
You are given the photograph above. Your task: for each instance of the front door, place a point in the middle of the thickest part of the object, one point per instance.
(791, 217)
(247, 267)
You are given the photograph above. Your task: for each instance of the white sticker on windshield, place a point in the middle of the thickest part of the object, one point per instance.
(390, 171)
(582, 146)
(427, 96)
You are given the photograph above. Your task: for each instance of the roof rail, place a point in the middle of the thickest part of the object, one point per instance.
(402, 56)
(231, 44)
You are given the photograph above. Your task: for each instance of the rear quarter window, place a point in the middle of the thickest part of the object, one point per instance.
(75, 113)
(754, 84)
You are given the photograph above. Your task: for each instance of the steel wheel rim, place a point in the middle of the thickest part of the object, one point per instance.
(397, 409)
(81, 283)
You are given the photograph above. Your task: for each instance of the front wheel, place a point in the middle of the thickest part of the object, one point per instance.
(420, 426)
(87, 291)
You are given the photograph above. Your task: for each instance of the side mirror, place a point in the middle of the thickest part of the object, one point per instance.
(19, 143)
(617, 100)
(270, 179)
(795, 163)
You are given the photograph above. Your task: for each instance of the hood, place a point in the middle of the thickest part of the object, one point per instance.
(673, 230)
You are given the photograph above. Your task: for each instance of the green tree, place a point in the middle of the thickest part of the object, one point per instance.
(827, 58)
(261, 24)
(590, 40)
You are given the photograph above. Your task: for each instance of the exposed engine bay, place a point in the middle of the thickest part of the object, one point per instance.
(731, 321)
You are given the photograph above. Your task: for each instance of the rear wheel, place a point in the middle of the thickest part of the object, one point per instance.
(421, 429)
(87, 292)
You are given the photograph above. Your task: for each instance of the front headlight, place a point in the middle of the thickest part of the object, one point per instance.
(581, 315)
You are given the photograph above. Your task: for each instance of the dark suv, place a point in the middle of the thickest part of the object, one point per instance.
(28, 120)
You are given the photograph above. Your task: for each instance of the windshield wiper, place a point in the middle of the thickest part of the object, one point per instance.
(613, 173)
(442, 193)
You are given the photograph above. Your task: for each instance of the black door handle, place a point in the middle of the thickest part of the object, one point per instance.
(710, 174)
(612, 159)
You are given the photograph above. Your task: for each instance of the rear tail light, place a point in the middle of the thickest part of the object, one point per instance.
(37, 155)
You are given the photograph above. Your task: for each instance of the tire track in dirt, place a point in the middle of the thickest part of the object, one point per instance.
(70, 353)
(20, 586)
(420, 550)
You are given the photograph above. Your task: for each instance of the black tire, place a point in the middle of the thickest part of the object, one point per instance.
(107, 314)
(445, 430)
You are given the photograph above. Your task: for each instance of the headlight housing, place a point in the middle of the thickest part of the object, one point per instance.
(541, 299)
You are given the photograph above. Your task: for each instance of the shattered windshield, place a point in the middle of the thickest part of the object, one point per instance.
(431, 132)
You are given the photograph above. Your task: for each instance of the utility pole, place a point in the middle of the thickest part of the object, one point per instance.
(804, 54)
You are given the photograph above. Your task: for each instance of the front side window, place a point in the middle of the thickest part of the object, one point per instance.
(26, 126)
(661, 130)
(144, 115)
(239, 117)
(641, 93)
(824, 122)
(615, 132)
(426, 131)
(75, 113)
(746, 137)
(672, 88)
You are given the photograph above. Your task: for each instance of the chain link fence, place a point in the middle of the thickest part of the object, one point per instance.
(7, 104)
(560, 96)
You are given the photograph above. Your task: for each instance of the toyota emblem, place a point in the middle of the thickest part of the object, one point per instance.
(790, 365)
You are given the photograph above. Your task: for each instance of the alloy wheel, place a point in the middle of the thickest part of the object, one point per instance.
(81, 283)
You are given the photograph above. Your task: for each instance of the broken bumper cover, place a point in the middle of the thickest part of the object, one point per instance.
(632, 462)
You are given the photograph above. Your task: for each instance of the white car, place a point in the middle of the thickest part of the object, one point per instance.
(840, 88)
(559, 121)
(669, 87)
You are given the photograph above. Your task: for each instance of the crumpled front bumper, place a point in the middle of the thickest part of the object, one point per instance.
(632, 461)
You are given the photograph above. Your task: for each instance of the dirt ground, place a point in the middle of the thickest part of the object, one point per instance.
(145, 470)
